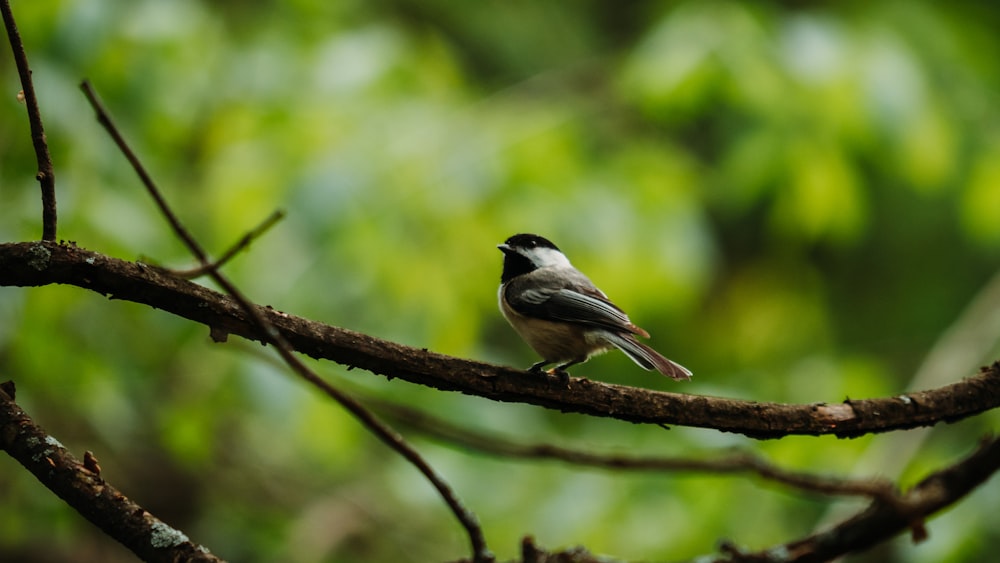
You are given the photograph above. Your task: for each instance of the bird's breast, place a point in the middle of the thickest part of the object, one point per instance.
(554, 341)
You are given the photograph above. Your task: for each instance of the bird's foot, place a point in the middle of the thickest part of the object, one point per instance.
(537, 368)
(561, 373)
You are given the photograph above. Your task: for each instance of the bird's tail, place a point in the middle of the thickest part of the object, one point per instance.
(646, 357)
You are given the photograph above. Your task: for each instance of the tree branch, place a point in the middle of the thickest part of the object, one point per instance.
(46, 175)
(81, 486)
(43, 263)
(883, 520)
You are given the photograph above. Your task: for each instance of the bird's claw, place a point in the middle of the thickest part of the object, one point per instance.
(562, 374)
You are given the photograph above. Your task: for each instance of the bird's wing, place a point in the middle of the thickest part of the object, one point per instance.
(588, 305)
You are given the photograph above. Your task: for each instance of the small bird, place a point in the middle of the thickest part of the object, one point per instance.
(562, 315)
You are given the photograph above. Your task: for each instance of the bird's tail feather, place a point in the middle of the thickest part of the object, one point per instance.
(647, 358)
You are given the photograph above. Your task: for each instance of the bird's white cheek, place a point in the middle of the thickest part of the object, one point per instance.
(548, 258)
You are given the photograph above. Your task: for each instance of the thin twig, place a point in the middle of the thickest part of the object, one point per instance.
(736, 463)
(46, 174)
(105, 120)
(241, 244)
(269, 334)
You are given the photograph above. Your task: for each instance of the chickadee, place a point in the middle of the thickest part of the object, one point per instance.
(560, 313)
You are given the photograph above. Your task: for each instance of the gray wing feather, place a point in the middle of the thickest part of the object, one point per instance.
(567, 296)
(569, 305)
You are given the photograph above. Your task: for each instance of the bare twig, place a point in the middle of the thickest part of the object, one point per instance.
(46, 174)
(80, 485)
(39, 263)
(735, 463)
(105, 120)
(266, 331)
(244, 242)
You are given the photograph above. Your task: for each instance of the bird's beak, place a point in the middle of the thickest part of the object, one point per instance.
(505, 248)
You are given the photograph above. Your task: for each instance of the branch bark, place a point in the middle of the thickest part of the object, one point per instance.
(43, 263)
(81, 486)
(883, 520)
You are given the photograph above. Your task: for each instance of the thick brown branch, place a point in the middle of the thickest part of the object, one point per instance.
(883, 520)
(42, 263)
(80, 485)
(46, 174)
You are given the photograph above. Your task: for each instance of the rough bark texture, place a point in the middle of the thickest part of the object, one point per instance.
(43, 263)
(81, 486)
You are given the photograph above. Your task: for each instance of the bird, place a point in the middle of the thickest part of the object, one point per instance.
(562, 315)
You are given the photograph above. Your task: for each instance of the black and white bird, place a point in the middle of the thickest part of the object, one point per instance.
(562, 315)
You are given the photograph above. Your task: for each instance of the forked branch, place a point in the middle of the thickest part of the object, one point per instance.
(265, 332)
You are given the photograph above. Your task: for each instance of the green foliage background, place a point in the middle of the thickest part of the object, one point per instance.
(796, 199)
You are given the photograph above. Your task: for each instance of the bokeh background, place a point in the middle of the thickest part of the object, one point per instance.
(799, 200)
